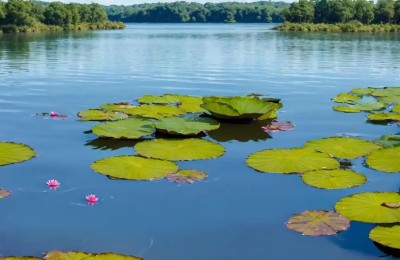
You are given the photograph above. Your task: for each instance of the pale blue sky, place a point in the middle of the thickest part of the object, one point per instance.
(131, 2)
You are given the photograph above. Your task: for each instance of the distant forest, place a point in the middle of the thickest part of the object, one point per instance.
(191, 12)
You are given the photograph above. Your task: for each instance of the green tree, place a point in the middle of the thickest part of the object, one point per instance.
(75, 16)
(97, 13)
(397, 12)
(57, 14)
(18, 12)
(384, 11)
(2, 12)
(341, 11)
(364, 11)
(301, 12)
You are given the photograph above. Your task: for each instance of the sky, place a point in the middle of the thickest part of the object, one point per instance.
(132, 2)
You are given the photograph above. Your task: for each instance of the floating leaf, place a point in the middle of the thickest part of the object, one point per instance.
(396, 108)
(247, 107)
(191, 104)
(164, 99)
(4, 193)
(132, 128)
(58, 255)
(343, 147)
(388, 235)
(361, 91)
(385, 92)
(386, 160)
(346, 109)
(119, 106)
(346, 98)
(154, 111)
(187, 149)
(384, 117)
(186, 125)
(369, 106)
(189, 176)
(100, 115)
(277, 126)
(333, 179)
(318, 223)
(290, 160)
(134, 167)
(369, 207)
(14, 153)
(389, 99)
(388, 141)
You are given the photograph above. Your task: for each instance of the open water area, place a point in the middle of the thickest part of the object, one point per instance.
(236, 213)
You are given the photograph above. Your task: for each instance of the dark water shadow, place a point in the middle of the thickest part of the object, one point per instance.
(112, 144)
(388, 251)
(240, 131)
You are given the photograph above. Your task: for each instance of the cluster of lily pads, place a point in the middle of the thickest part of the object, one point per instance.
(58, 255)
(181, 121)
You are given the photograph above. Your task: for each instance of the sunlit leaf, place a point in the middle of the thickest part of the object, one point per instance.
(333, 179)
(191, 104)
(119, 106)
(361, 91)
(134, 167)
(343, 147)
(388, 141)
(370, 207)
(154, 111)
(186, 125)
(386, 160)
(369, 106)
(385, 92)
(296, 160)
(58, 255)
(4, 193)
(277, 126)
(384, 117)
(346, 98)
(389, 99)
(396, 108)
(318, 223)
(186, 149)
(346, 109)
(388, 235)
(164, 99)
(132, 128)
(14, 153)
(100, 115)
(189, 176)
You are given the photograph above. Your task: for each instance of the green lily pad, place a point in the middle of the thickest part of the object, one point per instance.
(389, 99)
(58, 255)
(346, 109)
(191, 104)
(386, 91)
(4, 193)
(346, 98)
(384, 117)
(188, 176)
(134, 167)
(186, 150)
(296, 160)
(154, 111)
(318, 223)
(120, 106)
(333, 179)
(186, 125)
(388, 235)
(14, 153)
(369, 106)
(388, 141)
(370, 207)
(343, 147)
(385, 160)
(164, 99)
(100, 115)
(247, 107)
(361, 91)
(132, 128)
(396, 108)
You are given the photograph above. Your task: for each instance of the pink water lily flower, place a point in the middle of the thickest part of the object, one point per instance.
(53, 184)
(54, 114)
(91, 199)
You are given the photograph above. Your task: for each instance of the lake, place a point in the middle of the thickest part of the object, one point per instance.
(236, 213)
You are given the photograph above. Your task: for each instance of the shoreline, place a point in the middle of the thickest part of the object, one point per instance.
(350, 27)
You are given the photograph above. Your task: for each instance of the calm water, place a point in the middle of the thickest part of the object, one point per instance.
(237, 213)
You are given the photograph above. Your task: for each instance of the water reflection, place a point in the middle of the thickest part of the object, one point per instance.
(112, 144)
(242, 132)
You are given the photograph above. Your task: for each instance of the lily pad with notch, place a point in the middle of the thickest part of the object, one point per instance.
(131, 128)
(385, 160)
(387, 235)
(333, 179)
(100, 115)
(346, 98)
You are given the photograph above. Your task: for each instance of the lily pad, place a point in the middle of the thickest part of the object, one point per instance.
(388, 235)
(189, 176)
(346, 109)
(132, 128)
(346, 98)
(191, 104)
(186, 150)
(277, 126)
(389, 99)
(370, 207)
(384, 117)
(296, 160)
(119, 106)
(100, 115)
(386, 160)
(4, 193)
(14, 153)
(388, 141)
(386, 91)
(318, 223)
(134, 167)
(58, 255)
(154, 111)
(361, 91)
(396, 108)
(186, 125)
(343, 147)
(369, 106)
(164, 99)
(247, 107)
(333, 179)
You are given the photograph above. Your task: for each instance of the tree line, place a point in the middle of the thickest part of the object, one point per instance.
(30, 14)
(344, 11)
(191, 12)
